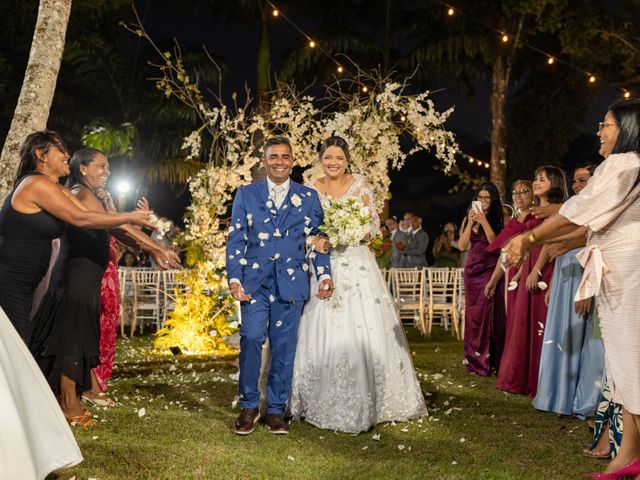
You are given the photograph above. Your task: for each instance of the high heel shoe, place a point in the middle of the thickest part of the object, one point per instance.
(630, 470)
(83, 421)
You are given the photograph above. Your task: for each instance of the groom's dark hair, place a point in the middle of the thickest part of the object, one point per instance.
(276, 141)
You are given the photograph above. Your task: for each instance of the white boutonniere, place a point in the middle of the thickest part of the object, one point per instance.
(296, 201)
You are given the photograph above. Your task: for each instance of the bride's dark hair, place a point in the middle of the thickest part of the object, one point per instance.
(335, 141)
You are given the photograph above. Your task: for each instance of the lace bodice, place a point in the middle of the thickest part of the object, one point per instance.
(361, 190)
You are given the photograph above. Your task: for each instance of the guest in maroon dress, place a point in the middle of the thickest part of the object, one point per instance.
(484, 317)
(521, 359)
(523, 199)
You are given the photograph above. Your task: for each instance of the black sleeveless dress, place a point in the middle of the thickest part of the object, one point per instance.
(65, 334)
(25, 251)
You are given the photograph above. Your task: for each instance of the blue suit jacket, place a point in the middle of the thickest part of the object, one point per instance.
(264, 240)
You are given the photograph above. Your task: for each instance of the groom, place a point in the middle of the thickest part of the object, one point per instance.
(267, 273)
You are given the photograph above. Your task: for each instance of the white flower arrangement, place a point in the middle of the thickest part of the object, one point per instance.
(346, 222)
(162, 227)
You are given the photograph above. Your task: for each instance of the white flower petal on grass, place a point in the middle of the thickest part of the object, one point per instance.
(290, 458)
(142, 412)
(454, 463)
(376, 437)
(401, 447)
(365, 447)
(405, 429)
(462, 440)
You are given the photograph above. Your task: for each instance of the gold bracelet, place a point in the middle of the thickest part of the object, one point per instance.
(531, 237)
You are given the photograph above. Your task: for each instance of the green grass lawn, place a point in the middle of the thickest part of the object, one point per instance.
(175, 416)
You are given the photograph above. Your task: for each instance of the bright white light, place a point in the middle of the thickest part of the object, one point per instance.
(123, 186)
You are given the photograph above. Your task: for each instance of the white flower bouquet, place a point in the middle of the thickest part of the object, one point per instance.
(346, 222)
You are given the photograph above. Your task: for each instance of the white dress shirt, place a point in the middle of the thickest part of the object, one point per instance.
(277, 193)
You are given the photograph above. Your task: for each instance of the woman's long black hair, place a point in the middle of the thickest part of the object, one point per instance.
(626, 113)
(42, 140)
(84, 156)
(495, 217)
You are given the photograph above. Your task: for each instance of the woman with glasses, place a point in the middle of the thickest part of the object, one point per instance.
(484, 317)
(572, 359)
(608, 208)
(521, 359)
(523, 200)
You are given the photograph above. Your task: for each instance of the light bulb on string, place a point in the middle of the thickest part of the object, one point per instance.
(340, 69)
(551, 61)
(592, 79)
(505, 38)
(470, 159)
(365, 89)
(627, 94)
(403, 118)
(312, 44)
(486, 165)
(450, 12)
(275, 12)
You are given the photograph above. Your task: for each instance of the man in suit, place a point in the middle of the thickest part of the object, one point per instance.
(268, 275)
(396, 236)
(415, 250)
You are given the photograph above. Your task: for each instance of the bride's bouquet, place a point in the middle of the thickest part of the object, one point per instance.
(345, 222)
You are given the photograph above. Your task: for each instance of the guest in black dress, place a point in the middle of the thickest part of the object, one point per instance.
(33, 214)
(65, 338)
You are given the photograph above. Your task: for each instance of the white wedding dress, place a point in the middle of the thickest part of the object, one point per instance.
(34, 436)
(353, 367)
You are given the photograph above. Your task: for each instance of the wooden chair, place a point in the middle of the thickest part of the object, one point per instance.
(442, 285)
(146, 297)
(387, 274)
(460, 299)
(126, 295)
(170, 286)
(409, 295)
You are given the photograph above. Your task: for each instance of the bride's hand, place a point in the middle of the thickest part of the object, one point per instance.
(325, 289)
(319, 244)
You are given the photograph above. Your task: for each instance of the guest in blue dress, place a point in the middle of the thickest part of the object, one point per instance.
(572, 359)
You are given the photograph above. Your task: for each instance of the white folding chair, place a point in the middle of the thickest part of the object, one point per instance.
(442, 284)
(170, 287)
(409, 295)
(460, 299)
(386, 274)
(126, 295)
(146, 298)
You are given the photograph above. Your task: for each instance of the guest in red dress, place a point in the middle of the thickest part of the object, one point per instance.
(484, 317)
(521, 359)
(523, 199)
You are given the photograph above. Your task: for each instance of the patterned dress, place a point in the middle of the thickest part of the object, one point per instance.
(109, 313)
(610, 207)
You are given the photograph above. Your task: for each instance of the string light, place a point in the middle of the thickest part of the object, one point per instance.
(312, 44)
(470, 159)
(365, 89)
(551, 61)
(275, 12)
(340, 69)
(403, 118)
(486, 165)
(451, 11)
(505, 38)
(592, 79)
(627, 94)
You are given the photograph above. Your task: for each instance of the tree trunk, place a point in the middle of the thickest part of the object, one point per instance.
(38, 86)
(500, 84)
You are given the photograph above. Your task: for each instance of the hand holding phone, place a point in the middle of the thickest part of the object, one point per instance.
(476, 206)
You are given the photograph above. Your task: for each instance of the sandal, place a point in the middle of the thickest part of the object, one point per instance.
(590, 454)
(99, 402)
(83, 421)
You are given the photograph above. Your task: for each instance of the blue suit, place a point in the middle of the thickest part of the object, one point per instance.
(266, 253)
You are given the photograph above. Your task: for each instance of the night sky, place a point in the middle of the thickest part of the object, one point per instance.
(418, 187)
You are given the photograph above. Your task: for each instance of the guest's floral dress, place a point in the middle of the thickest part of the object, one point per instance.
(109, 313)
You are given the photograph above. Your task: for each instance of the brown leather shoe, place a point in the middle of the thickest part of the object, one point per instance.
(275, 424)
(247, 420)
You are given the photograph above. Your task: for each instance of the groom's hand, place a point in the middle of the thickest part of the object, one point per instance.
(237, 292)
(325, 289)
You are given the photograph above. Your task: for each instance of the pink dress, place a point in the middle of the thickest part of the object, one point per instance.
(109, 313)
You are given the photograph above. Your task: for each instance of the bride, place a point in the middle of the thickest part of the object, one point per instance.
(352, 368)
(35, 438)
